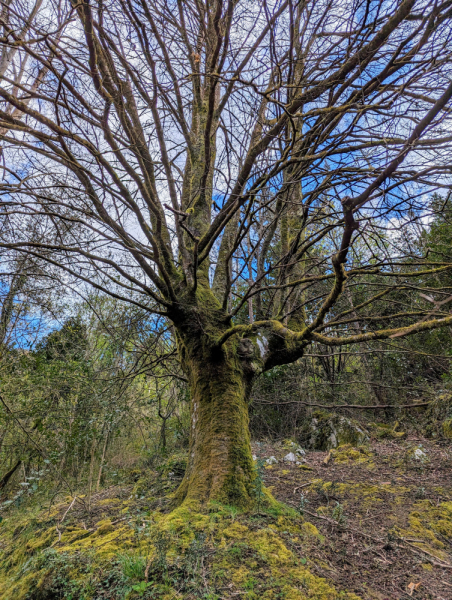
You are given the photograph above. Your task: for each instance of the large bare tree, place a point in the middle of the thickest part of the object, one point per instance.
(243, 169)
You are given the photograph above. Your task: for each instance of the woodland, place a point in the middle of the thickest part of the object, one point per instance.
(225, 299)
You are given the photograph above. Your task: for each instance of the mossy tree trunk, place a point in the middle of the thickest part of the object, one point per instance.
(220, 465)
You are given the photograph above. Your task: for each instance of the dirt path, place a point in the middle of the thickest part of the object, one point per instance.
(386, 517)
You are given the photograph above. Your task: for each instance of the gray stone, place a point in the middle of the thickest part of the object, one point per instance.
(419, 455)
(290, 457)
(328, 430)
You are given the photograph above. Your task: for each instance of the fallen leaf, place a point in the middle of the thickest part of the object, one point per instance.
(413, 587)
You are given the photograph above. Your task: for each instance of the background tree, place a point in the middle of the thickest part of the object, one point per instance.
(239, 169)
(77, 405)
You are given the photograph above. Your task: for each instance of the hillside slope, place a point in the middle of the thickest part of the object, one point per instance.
(373, 522)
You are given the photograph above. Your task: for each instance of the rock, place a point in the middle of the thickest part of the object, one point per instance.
(416, 454)
(437, 419)
(328, 430)
(447, 428)
(290, 457)
(420, 455)
(272, 460)
(389, 431)
(306, 468)
(347, 453)
(294, 447)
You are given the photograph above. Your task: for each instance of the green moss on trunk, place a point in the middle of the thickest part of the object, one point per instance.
(220, 465)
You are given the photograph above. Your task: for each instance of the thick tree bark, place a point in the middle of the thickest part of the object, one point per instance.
(220, 465)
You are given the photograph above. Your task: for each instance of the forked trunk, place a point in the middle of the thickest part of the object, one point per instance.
(220, 465)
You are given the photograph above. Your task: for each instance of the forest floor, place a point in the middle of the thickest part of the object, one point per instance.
(367, 523)
(386, 516)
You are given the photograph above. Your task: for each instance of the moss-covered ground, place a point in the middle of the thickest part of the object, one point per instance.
(354, 523)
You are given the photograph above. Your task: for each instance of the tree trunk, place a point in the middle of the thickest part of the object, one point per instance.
(220, 465)
(4, 480)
